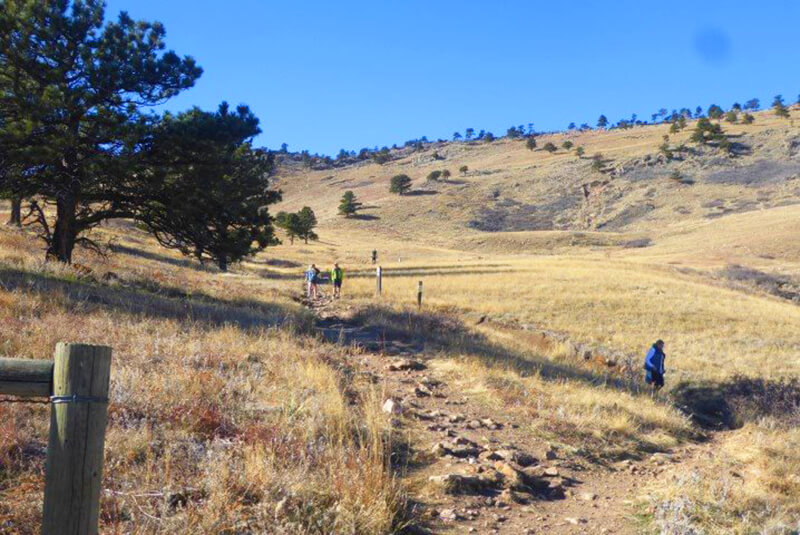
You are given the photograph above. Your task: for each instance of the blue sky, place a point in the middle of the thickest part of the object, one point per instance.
(325, 75)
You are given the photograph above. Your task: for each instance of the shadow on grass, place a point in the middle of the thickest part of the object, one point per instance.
(420, 192)
(151, 299)
(180, 262)
(364, 217)
(449, 336)
(738, 400)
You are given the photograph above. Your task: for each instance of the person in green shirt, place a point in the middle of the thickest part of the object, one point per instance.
(336, 278)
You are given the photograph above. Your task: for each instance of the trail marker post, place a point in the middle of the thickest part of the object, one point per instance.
(419, 295)
(77, 384)
(379, 280)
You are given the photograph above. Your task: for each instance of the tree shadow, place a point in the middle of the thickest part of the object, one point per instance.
(151, 299)
(732, 403)
(364, 217)
(421, 192)
(180, 262)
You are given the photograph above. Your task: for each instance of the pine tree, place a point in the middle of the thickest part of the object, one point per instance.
(531, 143)
(566, 145)
(85, 86)
(779, 107)
(349, 205)
(445, 174)
(463, 169)
(400, 184)
(308, 221)
(550, 147)
(602, 122)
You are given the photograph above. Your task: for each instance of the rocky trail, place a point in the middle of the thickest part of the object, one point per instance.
(472, 470)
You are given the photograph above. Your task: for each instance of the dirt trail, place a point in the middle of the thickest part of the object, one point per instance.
(473, 470)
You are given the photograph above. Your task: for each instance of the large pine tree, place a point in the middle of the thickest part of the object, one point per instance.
(78, 87)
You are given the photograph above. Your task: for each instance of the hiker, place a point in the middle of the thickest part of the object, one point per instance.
(336, 279)
(654, 366)
(312, 279)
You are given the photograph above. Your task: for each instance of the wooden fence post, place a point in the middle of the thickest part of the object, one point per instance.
(419, 295)
(379, 280)
(74, 466)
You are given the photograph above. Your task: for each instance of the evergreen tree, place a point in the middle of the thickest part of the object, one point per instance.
(748, 118)
(753, 104)
(84, 87)
(434, 175)
(779, 107)
(706, 131)
(456, 136)
(579, 151)
(400, 184)
(348, 205)
(602, 122)
(446, 174)
(308, 221)
(488, 137)
(290, 222)
(469, 133)
(550, 147)
(731, 116)
(566, 145)
(212, 186)
(531, 143)
(714, 112)
(463, 169)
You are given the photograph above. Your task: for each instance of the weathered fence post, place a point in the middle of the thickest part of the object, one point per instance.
(379, 280)
(78, 411)
(419, 295)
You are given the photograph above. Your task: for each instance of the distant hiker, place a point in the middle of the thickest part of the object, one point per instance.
(312, 279)
(337, 274)
(374, 256)
(654, 366)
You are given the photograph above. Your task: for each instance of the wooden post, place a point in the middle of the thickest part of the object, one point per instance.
(419, 295)
(379, 280)
(26, 377)
(73, 470)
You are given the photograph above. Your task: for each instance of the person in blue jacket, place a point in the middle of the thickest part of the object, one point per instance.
(654, 366)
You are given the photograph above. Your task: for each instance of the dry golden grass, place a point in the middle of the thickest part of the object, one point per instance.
(226, 415)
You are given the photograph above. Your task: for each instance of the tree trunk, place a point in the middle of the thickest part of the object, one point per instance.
(222, 262)
(16, 212)
(65, 231)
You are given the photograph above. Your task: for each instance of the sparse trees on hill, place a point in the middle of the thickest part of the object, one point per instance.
(285, 148)
(456, 136)
(779, 107)
(571, 126)
(76, 88)
(513, 132)
(550, 147)
(748, 118)
(434, 175)
(400, 184)
(469, 133)
(382, 156)
(445, 174)
(566, 145)
(714, 112)
(698, 111)
(531, 143)
(731, 116)
(349, 205)
(602, 122)
(753, 104)
(598, 162)
(488, 137)
(463, 169)
(736, 107)
(579, 151)
(706, 131)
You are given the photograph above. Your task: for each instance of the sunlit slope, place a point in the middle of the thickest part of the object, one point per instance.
(511, 196)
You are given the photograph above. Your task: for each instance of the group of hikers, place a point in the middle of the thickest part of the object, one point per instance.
(653, 361)
(314, 277)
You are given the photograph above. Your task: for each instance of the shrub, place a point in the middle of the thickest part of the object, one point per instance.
(446, 174)
(463, 169)
(382, 156)
(779, 108)
(400, 184)
(566, 145)
(434, 175)
(531, 143)
(579, 151)
(731, 117)
(748, 118)
(714, 111)
(550, 147)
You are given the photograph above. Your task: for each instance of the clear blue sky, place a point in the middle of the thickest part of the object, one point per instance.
(325, 75)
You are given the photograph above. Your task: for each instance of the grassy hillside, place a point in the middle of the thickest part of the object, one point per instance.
(236, 409)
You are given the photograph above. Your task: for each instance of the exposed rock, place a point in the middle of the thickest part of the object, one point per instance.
(460, 484)
(588, 496)
(440, 450)
(392, 406)
(551, 471)
(512, 477)
(405, 364)
(449, 515)
(421, 391)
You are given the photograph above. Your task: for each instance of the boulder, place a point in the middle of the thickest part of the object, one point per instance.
(392, 406)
